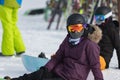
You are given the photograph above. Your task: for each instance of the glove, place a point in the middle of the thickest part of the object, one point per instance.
(37, 75)
(43, 69)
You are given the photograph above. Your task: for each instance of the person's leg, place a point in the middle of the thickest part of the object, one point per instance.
(52, 19)
(37, 75)
(59, 18)
(51, 76)
(41, 74)
(7, 37)
(18, 41)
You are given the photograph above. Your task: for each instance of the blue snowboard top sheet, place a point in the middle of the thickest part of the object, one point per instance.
(32, 63)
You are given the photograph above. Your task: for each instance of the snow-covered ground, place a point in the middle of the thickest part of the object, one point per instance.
(37, 39)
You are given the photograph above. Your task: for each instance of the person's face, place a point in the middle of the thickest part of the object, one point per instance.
(76, 30)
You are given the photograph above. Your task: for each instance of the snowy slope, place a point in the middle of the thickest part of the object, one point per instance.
(37, 39)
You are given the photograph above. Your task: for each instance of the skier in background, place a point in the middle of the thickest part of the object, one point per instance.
(58, 9)
(110, 39)
(11, 39)
(76, 56)
(75, 6)
(50, 4)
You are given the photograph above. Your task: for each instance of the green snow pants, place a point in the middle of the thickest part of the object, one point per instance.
(12, 41)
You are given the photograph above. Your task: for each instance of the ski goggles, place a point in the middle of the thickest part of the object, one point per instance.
(102, 17)
(76, 27)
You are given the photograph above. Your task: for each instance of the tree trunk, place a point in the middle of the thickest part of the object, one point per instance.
(119, 13)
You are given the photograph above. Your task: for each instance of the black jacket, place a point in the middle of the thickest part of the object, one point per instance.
(110, 41)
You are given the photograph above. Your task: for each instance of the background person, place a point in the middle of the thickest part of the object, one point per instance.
(110, 40)
(11, 39)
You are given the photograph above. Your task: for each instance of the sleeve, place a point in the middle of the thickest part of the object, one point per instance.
(93, 59)
(115, 39)
(57, 58)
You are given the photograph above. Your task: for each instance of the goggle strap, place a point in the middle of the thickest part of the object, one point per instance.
(108, 15)
(84, 25)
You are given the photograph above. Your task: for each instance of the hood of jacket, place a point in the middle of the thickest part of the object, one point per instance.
(96, 34)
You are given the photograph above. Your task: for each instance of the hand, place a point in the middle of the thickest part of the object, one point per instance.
(43, 69)
(53, 55)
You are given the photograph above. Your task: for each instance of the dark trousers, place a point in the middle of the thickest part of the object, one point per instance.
(40, 74)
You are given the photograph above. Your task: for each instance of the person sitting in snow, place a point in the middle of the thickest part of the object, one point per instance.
(110, 40)
(76, 56)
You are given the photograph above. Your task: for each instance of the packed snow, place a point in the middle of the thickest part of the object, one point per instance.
(38, 39)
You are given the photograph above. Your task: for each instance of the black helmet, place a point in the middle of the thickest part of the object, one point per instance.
(75, 19)
(103, 10)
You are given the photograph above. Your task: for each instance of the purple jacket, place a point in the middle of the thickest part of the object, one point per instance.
(75, 62)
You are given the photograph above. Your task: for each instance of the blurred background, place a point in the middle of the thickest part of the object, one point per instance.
(43, 27)
(59, 10)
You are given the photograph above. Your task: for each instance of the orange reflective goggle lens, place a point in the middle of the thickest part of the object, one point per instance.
(77, 27)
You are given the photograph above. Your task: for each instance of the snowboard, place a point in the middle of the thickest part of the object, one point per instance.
(34, 11)
(32, 63)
